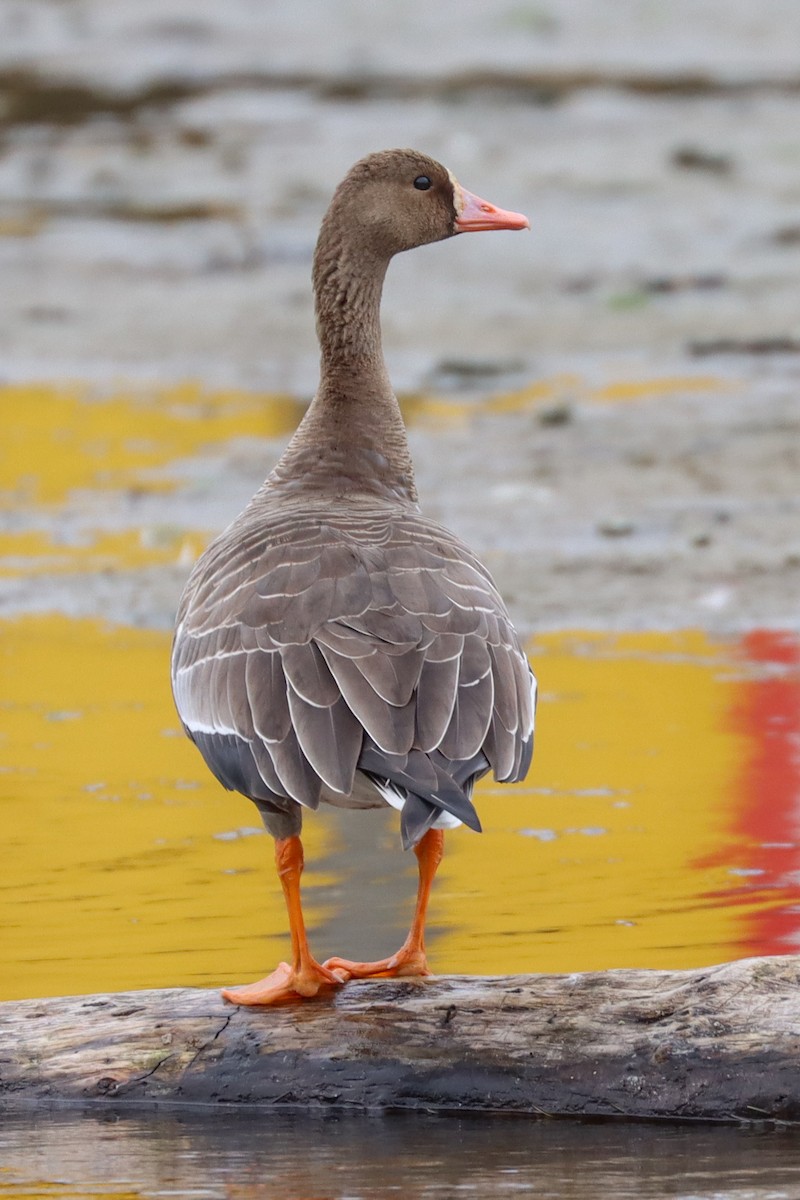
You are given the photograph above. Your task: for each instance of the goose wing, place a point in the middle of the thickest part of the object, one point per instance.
(309, 650)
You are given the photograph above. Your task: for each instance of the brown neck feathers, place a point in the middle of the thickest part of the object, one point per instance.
(352, 439)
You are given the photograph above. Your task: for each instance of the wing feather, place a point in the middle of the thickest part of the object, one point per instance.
(501, 749)
(393, 677)
(238, 697)
(418, 592)
(330, 739)
(390, 726)
(469, 723)
(396, 630)
(436, 698)
(298, 778)
(443, 646)
(505, 696)
(345, 642)
(265, 683)
(299, 637)
(306, 670)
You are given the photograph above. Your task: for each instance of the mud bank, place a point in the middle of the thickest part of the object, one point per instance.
(607, 408)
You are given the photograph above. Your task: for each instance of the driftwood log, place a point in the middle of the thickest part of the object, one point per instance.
(720, 1044)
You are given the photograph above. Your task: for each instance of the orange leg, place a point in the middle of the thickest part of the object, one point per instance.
(410, 959)
(305, 976)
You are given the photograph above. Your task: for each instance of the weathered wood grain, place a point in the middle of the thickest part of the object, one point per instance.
(721, 1043)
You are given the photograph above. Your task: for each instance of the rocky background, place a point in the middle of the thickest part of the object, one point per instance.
(619, 388)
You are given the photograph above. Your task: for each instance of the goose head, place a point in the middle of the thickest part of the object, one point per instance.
(395, 200)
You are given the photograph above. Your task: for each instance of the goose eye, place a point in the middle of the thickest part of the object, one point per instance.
(422, 183)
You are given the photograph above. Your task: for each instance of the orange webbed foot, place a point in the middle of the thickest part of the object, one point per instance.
(286, 983)
(406, 962)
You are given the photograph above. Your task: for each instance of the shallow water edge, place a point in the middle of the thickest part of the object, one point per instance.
(63, 1154)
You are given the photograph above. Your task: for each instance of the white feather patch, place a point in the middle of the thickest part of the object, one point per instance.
(396, 797)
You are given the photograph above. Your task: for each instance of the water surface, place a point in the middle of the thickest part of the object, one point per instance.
(274, 1156)
(657, 827)
(640, 838)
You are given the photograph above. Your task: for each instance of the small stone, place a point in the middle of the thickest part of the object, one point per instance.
(616, 527)
(695, 158)
(554, 415)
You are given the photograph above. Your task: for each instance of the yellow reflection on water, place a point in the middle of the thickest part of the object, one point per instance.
(34, 552)
(593, 858)
(127, 865)
(433, 410)
(56, 440)
(61, 443)
(562, 386)
(638, 838)
(123, 855)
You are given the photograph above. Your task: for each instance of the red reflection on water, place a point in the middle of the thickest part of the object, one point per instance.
(769, 818)
(765, 812)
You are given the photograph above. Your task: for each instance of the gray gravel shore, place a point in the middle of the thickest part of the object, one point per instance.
(163, 170)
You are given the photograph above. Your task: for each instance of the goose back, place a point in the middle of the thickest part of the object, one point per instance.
(316, 643)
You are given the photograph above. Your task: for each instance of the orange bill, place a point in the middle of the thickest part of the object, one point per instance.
(475, 215)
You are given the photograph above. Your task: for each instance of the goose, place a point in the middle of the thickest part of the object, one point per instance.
(333, 645)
